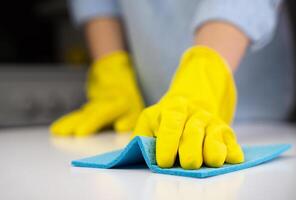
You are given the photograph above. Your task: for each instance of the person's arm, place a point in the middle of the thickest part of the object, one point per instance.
(104, 35)
(226, 39)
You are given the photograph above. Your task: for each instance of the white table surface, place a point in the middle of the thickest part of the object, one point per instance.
(35, 166)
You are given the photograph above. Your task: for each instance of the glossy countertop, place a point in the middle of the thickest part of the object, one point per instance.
(34, 165)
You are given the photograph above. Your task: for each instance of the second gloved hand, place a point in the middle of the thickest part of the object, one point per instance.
(113, 99)
(193, 118)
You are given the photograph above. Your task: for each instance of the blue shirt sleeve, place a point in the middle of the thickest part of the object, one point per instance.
(83, 10)
(257, 19)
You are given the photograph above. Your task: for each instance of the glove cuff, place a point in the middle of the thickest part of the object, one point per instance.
(117, 58)
(207, 53)
(204, 75)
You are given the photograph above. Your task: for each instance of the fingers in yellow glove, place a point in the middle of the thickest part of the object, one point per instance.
(173, 118)
(235, 153)
(126, 122)
(147, 123)
(85, 122)
(220, 145)
(191, 142)
(214, 150)
(97, 115)
(64, 126)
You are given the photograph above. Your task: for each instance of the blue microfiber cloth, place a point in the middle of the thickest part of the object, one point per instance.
(141, 150)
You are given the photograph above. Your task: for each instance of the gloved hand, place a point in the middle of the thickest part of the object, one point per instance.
(113, 99)
(193, 117)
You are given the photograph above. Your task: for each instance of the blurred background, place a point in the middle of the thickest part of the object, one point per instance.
(43, 60)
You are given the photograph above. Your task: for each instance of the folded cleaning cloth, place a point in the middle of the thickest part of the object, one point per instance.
(141, 150)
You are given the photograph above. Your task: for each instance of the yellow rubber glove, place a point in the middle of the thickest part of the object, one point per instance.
(113, 99)
(193, 118)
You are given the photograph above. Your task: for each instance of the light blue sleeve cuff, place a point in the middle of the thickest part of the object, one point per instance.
(83, 10)
(257, 19)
